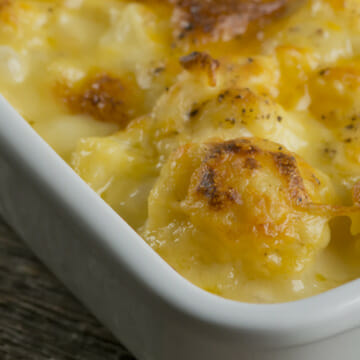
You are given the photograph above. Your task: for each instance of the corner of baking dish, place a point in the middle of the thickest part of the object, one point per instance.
(292, 323)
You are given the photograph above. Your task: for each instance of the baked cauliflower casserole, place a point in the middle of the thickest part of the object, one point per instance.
(227, 133)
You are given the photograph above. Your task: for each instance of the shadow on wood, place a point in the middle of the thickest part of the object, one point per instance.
(39, 319)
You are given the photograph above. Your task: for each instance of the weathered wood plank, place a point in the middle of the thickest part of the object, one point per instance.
(39, 319)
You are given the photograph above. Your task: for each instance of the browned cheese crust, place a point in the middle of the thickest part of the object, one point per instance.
(231, 160)
(203, 62)
(222, 20)
(102, 96)
(213, 178)
(201, 21)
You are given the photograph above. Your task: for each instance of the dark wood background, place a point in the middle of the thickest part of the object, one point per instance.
(39, 318)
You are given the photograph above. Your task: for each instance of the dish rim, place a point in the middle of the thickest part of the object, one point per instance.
(277, 325)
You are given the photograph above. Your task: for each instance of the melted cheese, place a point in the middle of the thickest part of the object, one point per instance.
(226, 133)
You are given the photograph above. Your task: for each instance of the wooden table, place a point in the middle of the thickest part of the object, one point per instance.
(39, 318)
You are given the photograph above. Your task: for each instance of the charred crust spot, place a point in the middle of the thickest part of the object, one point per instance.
(288, 168)
(222, 96)
(217, 197)
(231, 120)
(324, 72)
(213, 185)
(158, 70)
(239, 146)
(316, 180)
(102, 96)
(201, 61)
(207, 186)
(193, 112)
(215, 20)
(330, 152)
(251, 163)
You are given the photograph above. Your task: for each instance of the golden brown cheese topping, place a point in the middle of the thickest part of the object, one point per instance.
(202, 21)
(199, 61)
(226, 133)
(222, 20)
(104, 97)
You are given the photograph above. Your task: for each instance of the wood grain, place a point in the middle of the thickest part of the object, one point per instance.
(39, 319)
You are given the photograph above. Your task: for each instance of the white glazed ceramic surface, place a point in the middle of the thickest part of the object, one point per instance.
(153, 311)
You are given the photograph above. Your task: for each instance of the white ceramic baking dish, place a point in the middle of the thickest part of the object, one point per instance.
(156, 313)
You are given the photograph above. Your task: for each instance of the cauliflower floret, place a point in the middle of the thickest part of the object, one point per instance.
(245, 199)
(189, 113)
(120, 171)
